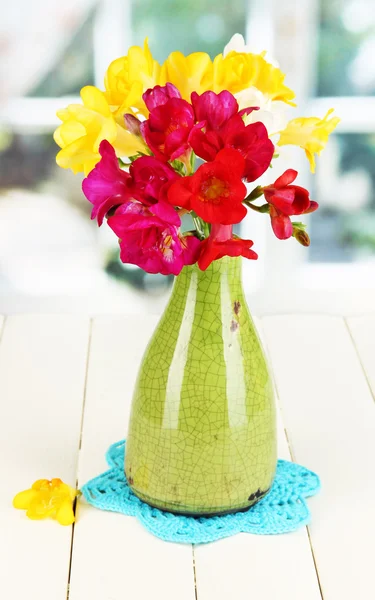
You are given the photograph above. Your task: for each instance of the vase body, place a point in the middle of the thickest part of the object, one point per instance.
(202, 436)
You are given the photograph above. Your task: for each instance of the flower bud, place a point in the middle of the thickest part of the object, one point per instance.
(301, 236)
(256, 193)
(133, 124)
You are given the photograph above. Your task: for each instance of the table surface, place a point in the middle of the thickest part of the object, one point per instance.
(65, 388)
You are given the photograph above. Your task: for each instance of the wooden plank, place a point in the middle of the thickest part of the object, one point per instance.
(362, 330)
(42, 374)
(266, 567)
(330, 417)
(113, 556)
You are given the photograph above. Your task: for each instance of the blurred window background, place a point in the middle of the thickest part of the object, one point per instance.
(54, 259)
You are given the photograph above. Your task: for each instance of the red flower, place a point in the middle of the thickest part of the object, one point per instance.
(253, 143)
(215, 192)
(218, 245)
(167, 129)
(221, 126)
(106, 185)
(281, 224)
(159, 95)
(286, 200)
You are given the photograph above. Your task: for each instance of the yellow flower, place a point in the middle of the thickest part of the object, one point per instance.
(238, 71)
(46, 498)
(127, 78)
(310, 133)
(85, 126)
(192, 73)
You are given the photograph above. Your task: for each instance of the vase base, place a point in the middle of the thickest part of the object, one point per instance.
(253, 499)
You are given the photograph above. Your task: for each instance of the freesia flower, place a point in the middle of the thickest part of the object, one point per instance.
(85, 126)
(272, 113)
(107, 185)
(236, 44)
(127, 78)
(148, 180)
(221, 126)
(309, 133)
(215, 192)
(159, 95)
(150, 242)
(46, 498)
(289, 199)
(221, 243)
(167, 129)
(214, 109)
(239, 71)
(286, 200)
(253, 143)
(223, 112)
(192, 73)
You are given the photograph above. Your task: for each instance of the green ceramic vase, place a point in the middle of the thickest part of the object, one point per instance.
(202, 437)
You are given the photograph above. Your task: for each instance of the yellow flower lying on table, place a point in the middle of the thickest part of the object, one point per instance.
(309, 133)
(48, 498)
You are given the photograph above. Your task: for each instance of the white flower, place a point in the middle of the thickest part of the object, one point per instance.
(271, 113)
(236, 43)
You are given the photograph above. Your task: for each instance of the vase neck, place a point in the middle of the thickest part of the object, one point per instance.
(208, 285)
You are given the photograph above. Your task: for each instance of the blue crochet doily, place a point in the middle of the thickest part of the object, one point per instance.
(284, 508)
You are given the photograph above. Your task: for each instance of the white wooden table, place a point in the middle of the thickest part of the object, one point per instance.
(65, 390)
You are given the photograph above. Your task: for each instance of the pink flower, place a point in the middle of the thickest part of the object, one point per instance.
(214, 109)
(148, 241)
(159, 95)
(106, 185)
(286, 200)
(150, 181)
(167, 129)
(221, 126)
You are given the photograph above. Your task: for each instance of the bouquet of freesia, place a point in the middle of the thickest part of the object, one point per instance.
(186, 137)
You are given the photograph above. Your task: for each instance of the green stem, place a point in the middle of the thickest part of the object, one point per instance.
(254, 194)
(188, 161)
(199, 226)
(265, 208)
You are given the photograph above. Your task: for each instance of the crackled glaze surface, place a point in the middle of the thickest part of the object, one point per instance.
(202, 436)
